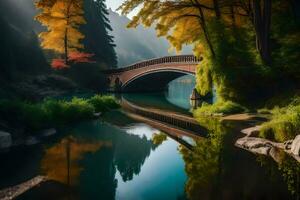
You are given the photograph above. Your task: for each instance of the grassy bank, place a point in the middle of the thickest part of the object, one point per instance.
(220, 107)
(284, 124)
(52, 113)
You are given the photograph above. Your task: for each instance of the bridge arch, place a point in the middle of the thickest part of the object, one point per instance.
(155, 80)
(154, 74)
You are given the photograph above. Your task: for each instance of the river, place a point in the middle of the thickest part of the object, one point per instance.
(117, 157)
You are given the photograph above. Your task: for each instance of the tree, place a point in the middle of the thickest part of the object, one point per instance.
(205, 24)
(62, 19)
(96, 30)
(259, 13)
(173, 18)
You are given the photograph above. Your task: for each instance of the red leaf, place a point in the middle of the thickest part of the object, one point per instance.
(80, 57)
(59, 64)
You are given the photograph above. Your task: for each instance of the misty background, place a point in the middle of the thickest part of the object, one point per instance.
(132, 45)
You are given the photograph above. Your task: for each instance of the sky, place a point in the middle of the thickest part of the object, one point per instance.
(114, 4)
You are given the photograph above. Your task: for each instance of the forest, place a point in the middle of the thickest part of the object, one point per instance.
(250, 52)
(62, 72)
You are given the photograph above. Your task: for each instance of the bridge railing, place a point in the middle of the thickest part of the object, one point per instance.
(167, 59)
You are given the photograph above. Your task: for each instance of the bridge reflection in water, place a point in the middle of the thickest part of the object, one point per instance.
(176, 125)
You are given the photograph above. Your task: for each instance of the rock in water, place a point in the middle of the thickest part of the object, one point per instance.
(48, 132)
(97, 115)
(295, 148)
(5, 140)
(31, 141)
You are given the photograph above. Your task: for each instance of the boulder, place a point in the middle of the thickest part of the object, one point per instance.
(255, 145)
(295, 147)
(5, 140)
(97, 115)
(48, 132)
(252, 131)
(31, 141)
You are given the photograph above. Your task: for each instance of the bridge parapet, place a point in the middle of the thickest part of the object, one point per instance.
(188, 59)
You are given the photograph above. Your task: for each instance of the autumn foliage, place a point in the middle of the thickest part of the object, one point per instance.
(63, 19)
(59, 64)
(74, 58)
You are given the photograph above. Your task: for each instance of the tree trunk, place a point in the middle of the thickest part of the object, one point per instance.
(217, 9)
(262, 25)
(66, 47)
(66, 44)
(206, 35)
(204, 28)
(233, 21)
(295, 6)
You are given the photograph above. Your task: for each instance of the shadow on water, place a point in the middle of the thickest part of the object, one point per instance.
(176, 98)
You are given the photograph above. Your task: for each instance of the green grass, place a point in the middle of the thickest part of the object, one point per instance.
(220, 107)
(53, 113)
(284, 124)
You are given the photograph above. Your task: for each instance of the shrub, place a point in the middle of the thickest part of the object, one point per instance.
(52, 112)
(35, 116)
(103, 103)
(224, 107)
(285, 123)
(77, 109)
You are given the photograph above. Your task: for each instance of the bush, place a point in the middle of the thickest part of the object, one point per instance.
(285, 123)
(224, 107)
(52, 112)
(103, 103)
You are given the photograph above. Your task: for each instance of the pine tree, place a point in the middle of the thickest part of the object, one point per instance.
(98, 40)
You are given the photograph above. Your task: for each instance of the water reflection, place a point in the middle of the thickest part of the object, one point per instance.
(289, 169)
(102, 161)
(127, 160)
(61, 161)
(180, 90)
(218, 170)
(131, 153)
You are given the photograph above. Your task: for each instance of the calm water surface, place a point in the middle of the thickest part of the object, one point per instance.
(118, 158)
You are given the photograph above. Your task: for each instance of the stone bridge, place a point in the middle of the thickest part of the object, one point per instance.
(151, 75)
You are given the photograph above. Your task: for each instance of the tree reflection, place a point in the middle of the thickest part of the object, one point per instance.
(159, 138)
(289, 169)
(61, 162)
(131, 153)
(218, 170)
(203, 164)
(98, 175)
(88, 160)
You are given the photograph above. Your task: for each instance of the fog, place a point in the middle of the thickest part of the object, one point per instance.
(134, 45)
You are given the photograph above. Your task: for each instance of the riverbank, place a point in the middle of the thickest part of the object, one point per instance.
(22, 120)
(254, 127)
(261, 146)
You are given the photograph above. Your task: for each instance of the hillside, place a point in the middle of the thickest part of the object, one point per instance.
(137, 44)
